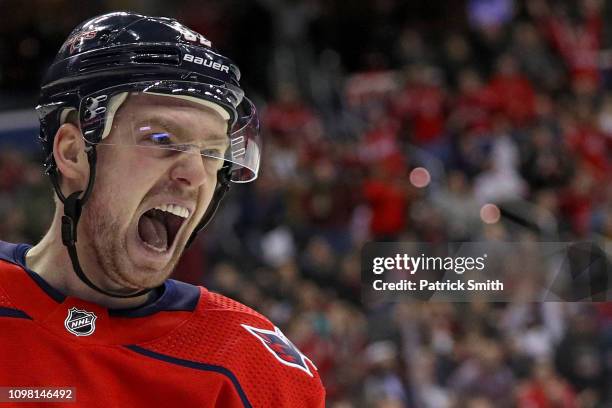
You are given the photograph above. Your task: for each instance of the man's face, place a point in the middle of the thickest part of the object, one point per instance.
(147, 200)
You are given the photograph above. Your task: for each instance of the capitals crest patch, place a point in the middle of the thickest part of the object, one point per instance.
(80, 322)
(281, 348)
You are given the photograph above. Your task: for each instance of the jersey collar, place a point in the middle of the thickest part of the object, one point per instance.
(175, 302)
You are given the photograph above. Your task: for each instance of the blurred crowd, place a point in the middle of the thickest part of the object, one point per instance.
(386, 121)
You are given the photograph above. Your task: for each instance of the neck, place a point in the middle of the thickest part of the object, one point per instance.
(49, 259)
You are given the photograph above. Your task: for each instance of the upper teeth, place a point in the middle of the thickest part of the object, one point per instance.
(174, 209)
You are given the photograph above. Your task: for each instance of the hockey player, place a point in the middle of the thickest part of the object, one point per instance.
(144, 126)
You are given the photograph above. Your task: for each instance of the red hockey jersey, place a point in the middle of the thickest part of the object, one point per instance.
(190, 347)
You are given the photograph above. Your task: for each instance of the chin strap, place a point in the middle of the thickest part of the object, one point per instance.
(72, 212)
(222, 187)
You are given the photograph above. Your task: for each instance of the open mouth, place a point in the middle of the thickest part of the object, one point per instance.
(159, 226)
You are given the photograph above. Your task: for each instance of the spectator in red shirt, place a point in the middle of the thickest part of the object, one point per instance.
(577, 38)
(516, 97)
(545, 389)
(421, 104)
(583, 137)
(473, 105)
(289, 118)
(386, 196)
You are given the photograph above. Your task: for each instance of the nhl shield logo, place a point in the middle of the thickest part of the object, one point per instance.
(80, 322)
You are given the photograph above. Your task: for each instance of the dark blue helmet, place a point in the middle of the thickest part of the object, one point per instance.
(125, 52)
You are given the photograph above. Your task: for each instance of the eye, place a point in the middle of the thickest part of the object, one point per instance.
(160, 139)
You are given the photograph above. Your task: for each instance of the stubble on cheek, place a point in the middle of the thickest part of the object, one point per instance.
(107, 244)
(107, 235)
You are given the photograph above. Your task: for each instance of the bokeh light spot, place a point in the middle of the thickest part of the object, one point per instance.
(419, 177)
(490, 214)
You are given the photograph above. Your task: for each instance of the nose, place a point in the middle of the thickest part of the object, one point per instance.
(190, 170)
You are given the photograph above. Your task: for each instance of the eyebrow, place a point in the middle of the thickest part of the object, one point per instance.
(173, 127)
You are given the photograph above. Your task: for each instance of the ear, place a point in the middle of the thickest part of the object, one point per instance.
(71, 159)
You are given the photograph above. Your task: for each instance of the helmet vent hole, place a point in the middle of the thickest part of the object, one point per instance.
(140, 55)
(166, 59)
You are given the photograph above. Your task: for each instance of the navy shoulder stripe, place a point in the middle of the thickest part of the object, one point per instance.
(16, 313)
(198, 366)
(15, 254)
(7, 252)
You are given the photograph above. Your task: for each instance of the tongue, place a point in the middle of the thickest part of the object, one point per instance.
(153, 232)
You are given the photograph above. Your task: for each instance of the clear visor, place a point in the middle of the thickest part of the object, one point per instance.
(168, 118)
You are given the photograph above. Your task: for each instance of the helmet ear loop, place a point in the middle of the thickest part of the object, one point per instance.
(73, 204)
(222, 187)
